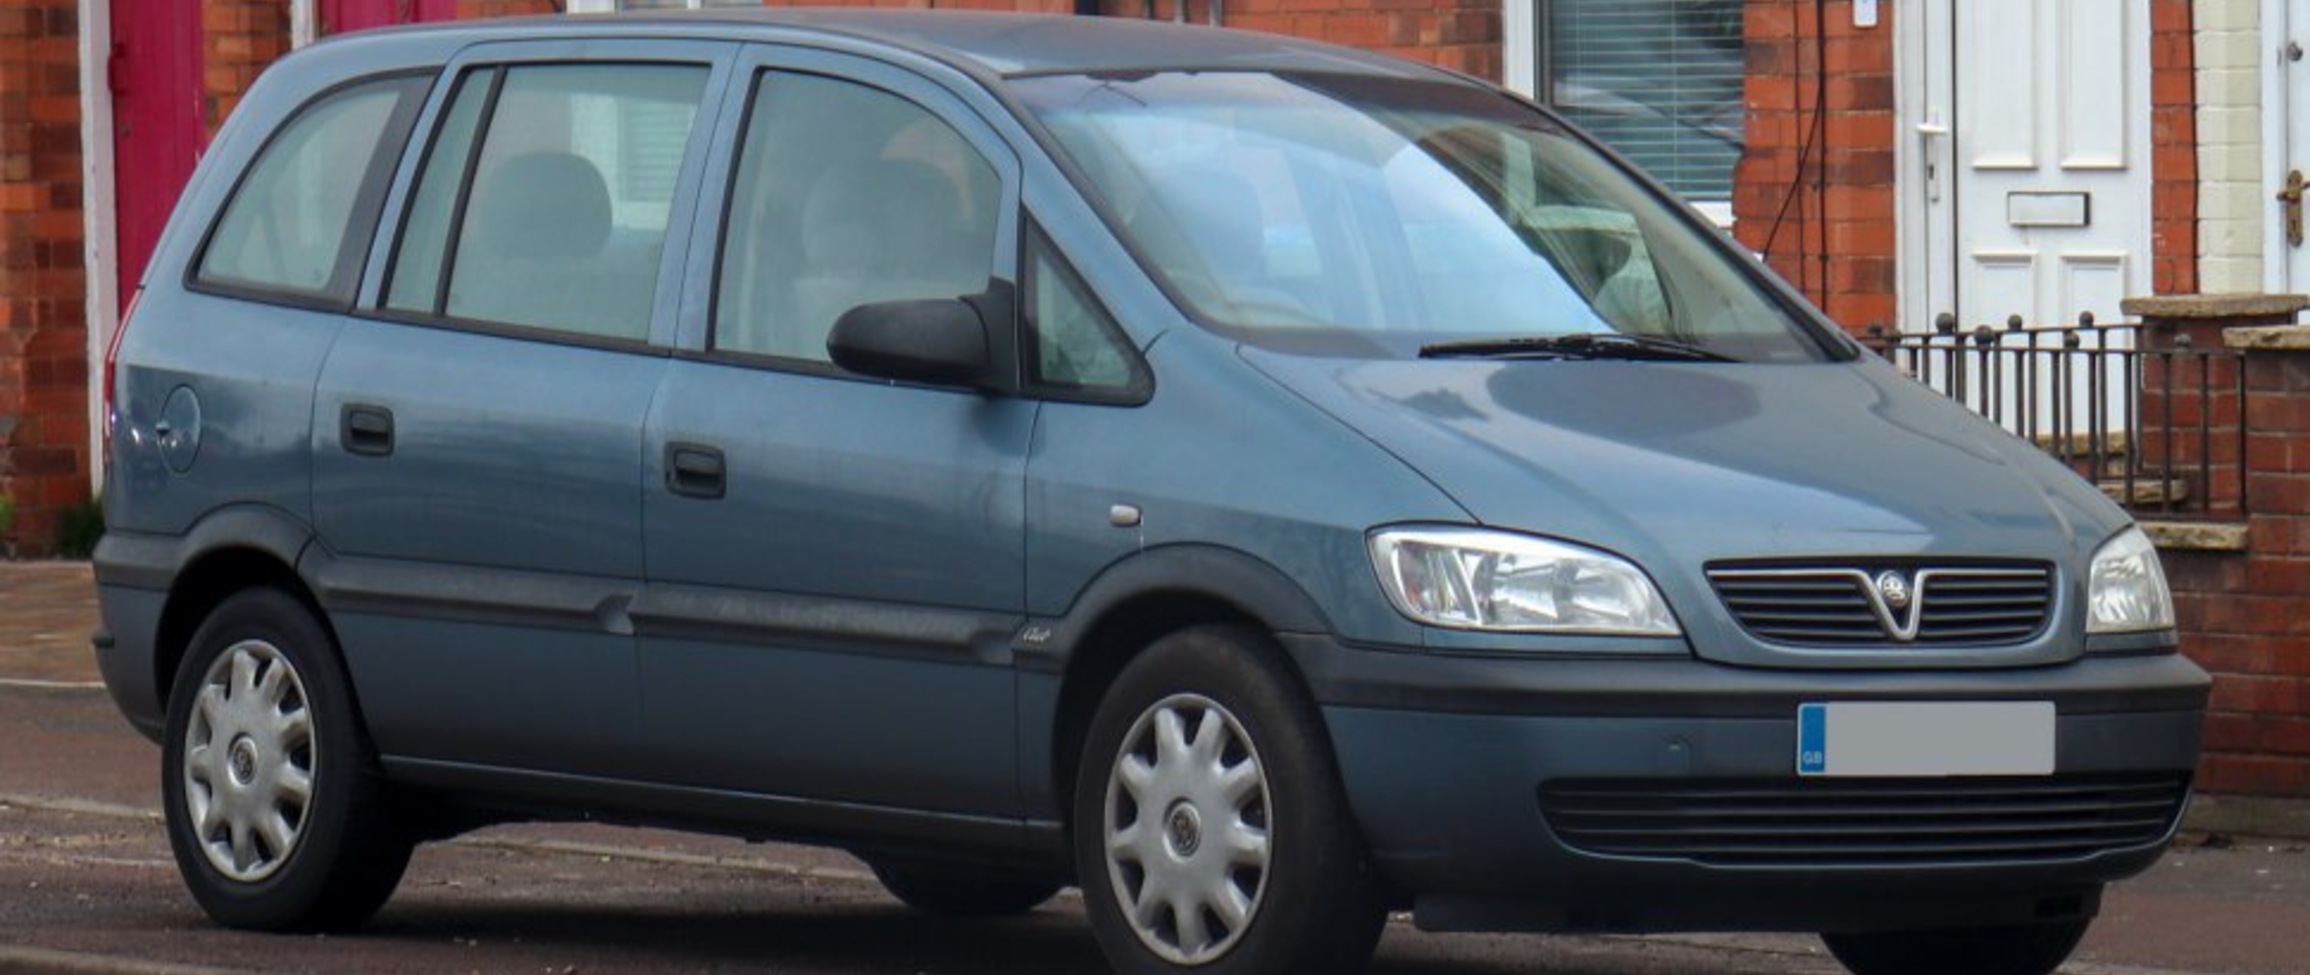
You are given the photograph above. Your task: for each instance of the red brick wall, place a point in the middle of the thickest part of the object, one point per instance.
(1814, 188)
(238, 39)
(43, 291)
(470, 9)
(2241, 613)
(1463, 35)
(2174, 149)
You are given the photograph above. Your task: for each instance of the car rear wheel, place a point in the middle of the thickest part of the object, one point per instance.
(2021, 949)
(959, 892)
(1210, 830)
(275, 809)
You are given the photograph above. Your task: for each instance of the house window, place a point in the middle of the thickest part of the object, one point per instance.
(1658, 80)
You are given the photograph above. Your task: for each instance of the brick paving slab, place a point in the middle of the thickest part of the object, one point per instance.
(47, 611)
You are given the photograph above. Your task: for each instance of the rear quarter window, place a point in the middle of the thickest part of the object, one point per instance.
(301, 217)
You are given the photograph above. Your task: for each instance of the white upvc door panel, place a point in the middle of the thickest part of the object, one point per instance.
(2050, 197)
(2286, 136)
(2028, 178)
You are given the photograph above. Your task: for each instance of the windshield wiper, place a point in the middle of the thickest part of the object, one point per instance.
(1578, 345)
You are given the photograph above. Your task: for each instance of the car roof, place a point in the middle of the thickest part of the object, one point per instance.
(1003, 44)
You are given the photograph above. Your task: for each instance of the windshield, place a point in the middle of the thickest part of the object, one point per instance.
(1359, 215)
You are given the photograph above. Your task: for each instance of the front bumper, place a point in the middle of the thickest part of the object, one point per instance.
(1447, 762)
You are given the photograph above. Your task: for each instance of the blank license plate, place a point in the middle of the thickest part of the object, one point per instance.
(1925, 738)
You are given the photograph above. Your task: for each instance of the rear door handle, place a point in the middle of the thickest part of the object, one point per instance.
(695, 470)
(366, 430)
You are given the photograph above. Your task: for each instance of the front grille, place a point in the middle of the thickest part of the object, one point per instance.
(1842, 606)
(1822, 822)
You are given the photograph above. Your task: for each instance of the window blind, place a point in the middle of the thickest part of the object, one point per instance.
(1659, 80)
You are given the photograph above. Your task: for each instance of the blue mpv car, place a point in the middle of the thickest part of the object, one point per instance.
(1261, 483)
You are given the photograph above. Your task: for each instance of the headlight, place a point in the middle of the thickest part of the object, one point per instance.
(2127, 588)
(1476, 579)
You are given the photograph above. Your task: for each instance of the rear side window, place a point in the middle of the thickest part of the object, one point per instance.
(545, 199)
(847, 195)
(297, 225)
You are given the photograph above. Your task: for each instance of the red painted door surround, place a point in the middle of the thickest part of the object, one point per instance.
(160, 109)
(159, 121)
(340, 16)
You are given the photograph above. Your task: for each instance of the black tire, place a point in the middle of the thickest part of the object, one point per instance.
(343, 853)
(959, 892)
(1311, 907)
(2021, 949)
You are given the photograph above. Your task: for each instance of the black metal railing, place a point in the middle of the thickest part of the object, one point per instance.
(2158, 425)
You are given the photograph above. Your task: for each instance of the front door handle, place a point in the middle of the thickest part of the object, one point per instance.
(1929, 130)
(695, 470)
(366, 430)
(2291, 196)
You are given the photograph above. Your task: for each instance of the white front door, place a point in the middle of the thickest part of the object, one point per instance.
(2031, 159)
(2287, 131)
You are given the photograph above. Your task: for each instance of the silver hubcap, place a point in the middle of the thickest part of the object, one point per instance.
(248, 770)
(1186, 827)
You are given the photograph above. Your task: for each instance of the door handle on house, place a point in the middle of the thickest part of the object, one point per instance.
(1929, 130)
(695, 470)
(2291, 196)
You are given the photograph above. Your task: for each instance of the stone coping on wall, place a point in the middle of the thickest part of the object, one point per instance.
(2215, 306)
(2275, 338)
(2197, 536)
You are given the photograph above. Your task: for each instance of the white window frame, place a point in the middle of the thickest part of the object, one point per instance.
(304, 24)
(1519, 47)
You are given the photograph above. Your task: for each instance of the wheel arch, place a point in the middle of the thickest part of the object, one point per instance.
(229, 552)
(1139, 600)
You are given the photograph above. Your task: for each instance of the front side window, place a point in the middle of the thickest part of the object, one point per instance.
(299, 220)
(563, 219)
(846, 195)
(1363, 215)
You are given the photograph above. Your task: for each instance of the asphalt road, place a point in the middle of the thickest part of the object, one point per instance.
(87, 885)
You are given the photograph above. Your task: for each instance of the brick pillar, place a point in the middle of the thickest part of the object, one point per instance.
(2238, 586)
(44, 462)
(2173, 149)
(1814, 188)
(2187, 404)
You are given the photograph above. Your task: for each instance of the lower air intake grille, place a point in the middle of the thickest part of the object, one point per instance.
(1821, 822)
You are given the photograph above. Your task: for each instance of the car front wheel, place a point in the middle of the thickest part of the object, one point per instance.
(1210, 829)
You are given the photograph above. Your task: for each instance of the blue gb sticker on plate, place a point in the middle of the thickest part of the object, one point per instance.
(1812, 739)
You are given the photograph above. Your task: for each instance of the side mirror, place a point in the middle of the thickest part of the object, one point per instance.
(937, 341)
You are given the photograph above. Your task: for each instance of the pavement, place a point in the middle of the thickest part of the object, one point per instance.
(47, 611)
(86, 884)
